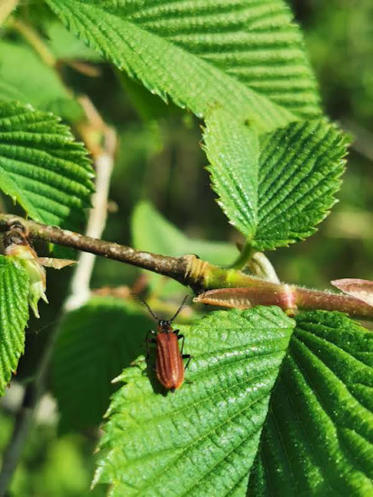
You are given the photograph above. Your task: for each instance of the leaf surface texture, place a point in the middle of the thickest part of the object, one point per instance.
(14, 289)
(42, 167)
(318, 436)
(202, 439)
(246, 56)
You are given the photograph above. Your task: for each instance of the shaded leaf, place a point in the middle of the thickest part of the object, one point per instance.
(26, 78)
(42, 167)
(152, 232)
(95, 343)
(318, 435)
(245, 56)
(202, 439)
(14, 289)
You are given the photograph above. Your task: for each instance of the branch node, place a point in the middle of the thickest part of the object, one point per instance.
(195, 268)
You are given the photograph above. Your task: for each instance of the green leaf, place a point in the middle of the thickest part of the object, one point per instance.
(95, 343)
(25, 78)
(66, 46)
(300, 170)
(14, 288)
(202, 439)
(42, 167)
(318, 436)
(233, 151)
(245, 56)
(280, 197)
(152, 232)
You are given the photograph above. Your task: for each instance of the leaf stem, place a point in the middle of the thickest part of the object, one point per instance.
(259, 265)
(244, 256)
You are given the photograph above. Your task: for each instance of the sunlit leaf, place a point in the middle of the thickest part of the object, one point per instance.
(245, 56)
(202, 439)
(42, 167)
(318, 436)
(278, 194)
(95, 343)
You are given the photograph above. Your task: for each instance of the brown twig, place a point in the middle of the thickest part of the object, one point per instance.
(199, 274)
(173, 267)
(288, 297)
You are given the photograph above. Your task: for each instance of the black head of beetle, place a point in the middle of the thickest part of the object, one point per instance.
(164, 326)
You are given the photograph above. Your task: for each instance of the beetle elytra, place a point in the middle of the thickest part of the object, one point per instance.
(169, 366)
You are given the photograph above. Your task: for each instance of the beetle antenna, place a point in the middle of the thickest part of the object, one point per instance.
(179, 309)
(148, 307)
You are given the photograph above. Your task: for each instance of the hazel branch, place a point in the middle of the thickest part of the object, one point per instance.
(173, 267)
(240, 289)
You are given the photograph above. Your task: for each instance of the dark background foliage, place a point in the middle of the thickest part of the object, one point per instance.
(159, 159)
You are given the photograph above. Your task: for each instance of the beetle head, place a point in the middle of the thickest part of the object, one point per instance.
(164, 326)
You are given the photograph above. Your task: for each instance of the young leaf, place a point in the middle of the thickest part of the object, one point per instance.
(25, 78)
(152, 232)
(41, 166)
(246, 57)
(280, 197)
(14, 289)
(318, 435)
(95, 343)
(202, 439)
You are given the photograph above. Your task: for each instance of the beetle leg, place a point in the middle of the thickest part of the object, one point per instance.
(189, 357)
(181, 337)
(148, 341)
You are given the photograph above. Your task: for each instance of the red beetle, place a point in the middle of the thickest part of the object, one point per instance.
(169, 366)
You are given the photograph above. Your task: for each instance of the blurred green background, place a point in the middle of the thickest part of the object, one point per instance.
(159, 159)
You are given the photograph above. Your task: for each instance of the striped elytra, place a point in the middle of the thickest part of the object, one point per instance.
(169, 366)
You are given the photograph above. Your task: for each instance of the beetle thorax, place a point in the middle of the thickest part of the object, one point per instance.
(164, 326)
